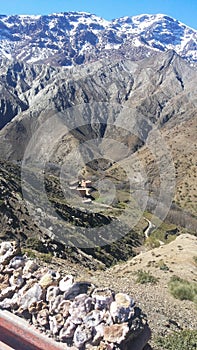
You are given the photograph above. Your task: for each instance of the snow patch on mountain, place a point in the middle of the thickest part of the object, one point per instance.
(73, 37)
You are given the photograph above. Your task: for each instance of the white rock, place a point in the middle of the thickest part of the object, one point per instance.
(68, 330)
(93, 318)
(122, 309)
(80, 307)
(16, 279)
(102, 298)
(82, 335)
(56, 322)
(66, 282)
(30, 296)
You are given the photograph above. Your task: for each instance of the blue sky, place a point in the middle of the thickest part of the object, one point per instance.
(183, 10)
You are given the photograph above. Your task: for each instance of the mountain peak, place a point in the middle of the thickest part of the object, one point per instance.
(70, 38)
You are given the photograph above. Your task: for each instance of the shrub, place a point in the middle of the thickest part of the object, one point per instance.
(161, 264)
(145, 277)
(45, 257)
(152, 242)
(182, 289)
(29, 253)
(35, 244)
(184, 340)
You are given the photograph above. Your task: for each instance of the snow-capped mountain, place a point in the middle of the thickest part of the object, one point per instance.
(77, 37)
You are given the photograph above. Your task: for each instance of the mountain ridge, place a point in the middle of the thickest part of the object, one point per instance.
(159, 91)
(73, 38)
(114, 104)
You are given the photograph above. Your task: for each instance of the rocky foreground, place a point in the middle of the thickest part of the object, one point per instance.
(109, 305)
(165, 314)
(75, 313)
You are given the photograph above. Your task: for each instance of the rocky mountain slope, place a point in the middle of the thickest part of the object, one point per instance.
(123, 101)
(126, 120)
(77, 37)
(157, 89)
(39, 231)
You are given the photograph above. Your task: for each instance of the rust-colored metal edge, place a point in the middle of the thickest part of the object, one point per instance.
(17, 334)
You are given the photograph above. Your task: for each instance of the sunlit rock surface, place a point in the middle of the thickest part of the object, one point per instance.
(72, 312)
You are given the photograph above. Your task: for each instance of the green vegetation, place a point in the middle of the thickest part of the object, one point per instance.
(35, 244)
(162, 266)
(35, 249)
(145, 277)
(184, 340)
(152, 242)
(182, 289)
(45, 257)
(30, 253)
(121, 205)
(159, 234)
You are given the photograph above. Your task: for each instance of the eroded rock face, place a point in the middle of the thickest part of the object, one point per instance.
(75, 313)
